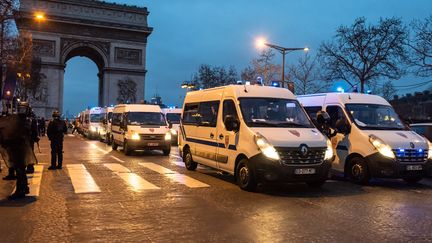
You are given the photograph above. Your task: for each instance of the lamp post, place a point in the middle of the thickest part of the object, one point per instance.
(283, 50)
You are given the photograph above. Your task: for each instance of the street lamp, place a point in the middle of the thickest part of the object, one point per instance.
(39, 16)
(261, 43)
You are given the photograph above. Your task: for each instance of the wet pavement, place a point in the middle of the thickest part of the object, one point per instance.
(103, 195)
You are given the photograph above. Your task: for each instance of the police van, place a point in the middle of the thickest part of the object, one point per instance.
(90, 126)
(256, 133)
(105, 124)
(140, 127)
(371, 140)
(173, 118)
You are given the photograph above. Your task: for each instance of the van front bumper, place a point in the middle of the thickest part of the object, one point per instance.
(274, 171)
(149, 144)
(383, 167)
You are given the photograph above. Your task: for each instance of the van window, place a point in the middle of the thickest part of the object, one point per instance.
(116, 119)
(312, 111)
(173, 118)
(208, 113)
(229, 108)
(86, 118)
(273, 112)
(96, 117)
(375, 117)
(189, 114)
(109, 117)
(145, 118)
(335, 112)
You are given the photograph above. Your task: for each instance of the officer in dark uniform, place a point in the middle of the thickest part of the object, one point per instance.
(32, 127)
(56, 130)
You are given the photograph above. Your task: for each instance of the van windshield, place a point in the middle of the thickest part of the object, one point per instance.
(173, 118)
(273, 112)
(146, 118)
(96, 117)
(375, 117)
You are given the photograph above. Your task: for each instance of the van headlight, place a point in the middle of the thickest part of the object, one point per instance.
(173, 131)
(329, 151)
(430, 149)
(135, 136)
(167, 136)
(381, 146)
(266, 148)
(93, 129)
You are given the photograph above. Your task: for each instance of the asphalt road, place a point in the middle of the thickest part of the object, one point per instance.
(103, 195)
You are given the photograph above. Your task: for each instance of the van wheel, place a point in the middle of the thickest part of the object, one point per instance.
(126, 148)
(316, 184)
(114, 145)
(166, 151)
(187, 159)
(358, 171)
(245, 176)
(412, 179)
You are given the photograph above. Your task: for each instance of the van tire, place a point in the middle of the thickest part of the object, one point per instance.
(245, 176)
(166, 151)
(187, 159)
(114, 145)
(412, 179)
(358, 171)
(126, 148)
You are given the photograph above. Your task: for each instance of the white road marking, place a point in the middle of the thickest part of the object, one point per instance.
(82, 181)
(176, 156)
(97, 148)
(119, 160)
(34, 181)
(181, 164)
(136, 182)
(175, 176)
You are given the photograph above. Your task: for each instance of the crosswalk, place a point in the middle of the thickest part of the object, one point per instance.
(83, 181)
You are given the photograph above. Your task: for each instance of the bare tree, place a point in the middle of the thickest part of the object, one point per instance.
(20, 57)
(421, 46)
(209, 77)
(388, 91)
(263, 67)
(363, 52)
(127, 89)
(306, 76)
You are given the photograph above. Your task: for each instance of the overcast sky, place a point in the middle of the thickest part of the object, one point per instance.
(188, 33)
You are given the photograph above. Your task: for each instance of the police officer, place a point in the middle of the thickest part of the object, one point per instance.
(56, 130)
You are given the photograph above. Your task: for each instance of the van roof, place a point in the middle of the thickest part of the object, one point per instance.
(341, 98)
(169, 110)
(239, 91)
(138, 108)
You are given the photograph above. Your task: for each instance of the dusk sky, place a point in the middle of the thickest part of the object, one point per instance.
(188, 33)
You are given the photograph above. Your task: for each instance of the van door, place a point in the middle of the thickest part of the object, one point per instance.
(340, 142)
(227, 151)
(189, 125)
(206, 137)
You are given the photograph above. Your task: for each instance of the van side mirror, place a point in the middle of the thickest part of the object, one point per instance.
(104, 121)
(342, 126)
(170, 125)
(232, 123)
(322, 118)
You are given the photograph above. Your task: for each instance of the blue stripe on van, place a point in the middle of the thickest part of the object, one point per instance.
(210, 143)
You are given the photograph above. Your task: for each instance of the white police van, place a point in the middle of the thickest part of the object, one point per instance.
(371, 140)
(140, 127)
(173, 116)
(255, 133)
(90, 125)
(105, 125)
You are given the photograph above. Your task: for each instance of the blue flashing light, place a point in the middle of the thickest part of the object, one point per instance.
(340, 89)
(368, 91)
(401, 150)
(420, 150)
(275, 84)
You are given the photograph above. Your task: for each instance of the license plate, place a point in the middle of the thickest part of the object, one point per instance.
(305, 171)
(152, 144)
(414, 167)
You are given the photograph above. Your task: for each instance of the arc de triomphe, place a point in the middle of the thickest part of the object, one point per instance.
(113, 36)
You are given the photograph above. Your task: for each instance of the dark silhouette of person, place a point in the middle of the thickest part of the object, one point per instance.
(56, 130)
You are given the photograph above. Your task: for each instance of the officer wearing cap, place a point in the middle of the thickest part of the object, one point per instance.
(56, 130)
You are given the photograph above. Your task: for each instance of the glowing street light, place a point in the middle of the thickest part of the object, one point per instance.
(39, 16)
(261, 43)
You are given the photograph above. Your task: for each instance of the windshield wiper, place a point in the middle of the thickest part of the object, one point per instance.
(266, 124)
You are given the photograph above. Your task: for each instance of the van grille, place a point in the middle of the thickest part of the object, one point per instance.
(152, 136)
(411, 155)
(293, 156)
